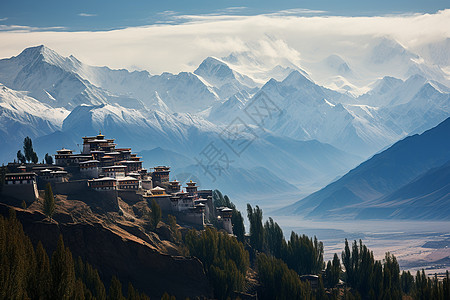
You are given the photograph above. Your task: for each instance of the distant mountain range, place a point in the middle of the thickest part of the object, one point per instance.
(315, 134)
(409, 180)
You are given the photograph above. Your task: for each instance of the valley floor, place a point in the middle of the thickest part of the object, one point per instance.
(416, 244)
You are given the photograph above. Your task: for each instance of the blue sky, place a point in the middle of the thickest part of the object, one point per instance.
(93, 15)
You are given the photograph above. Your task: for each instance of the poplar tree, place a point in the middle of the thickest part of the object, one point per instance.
(155, 215)
(49, 202)
(28, 148)
(43, 275)
(20, 157)
(48, 159)
(63, 272)
(2, 177)
(115, 290)
(256, 227)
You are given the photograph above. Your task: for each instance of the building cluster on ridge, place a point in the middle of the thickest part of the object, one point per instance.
(106, 169)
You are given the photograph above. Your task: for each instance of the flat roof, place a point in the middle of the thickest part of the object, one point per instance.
(21, 173)
(115, 167)
(58, 172)
(104, 179)
(127, 178)
(89, 161)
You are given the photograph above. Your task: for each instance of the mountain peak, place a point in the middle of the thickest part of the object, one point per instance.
(43, 53)
(212, 66)
(297, 77)
(32, 52)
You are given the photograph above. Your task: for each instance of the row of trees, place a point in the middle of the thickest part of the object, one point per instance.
(29, 155)
(28, 273)
(300, 253)
(367, 277)
(278, 281)
(224, 259)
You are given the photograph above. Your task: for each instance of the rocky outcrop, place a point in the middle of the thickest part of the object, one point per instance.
(129, 258)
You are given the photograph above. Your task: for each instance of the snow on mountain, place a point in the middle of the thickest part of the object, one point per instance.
(38, 70)
(410, 106)
(436, 52)
(313, 112)
(189, 110)
(388, 57)
(21, 115)
(144, 129)
(335, 73)
(261, 69)
(67, 82)
(226, 80)
(221, 113)
(425, 110)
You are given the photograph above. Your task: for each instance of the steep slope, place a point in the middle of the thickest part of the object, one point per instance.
(143, 129)
(382, 174)
(261, 67)
(314, 112)
(426, 197)
(66, 82)
(47, 76)
(20, 116)
(227, 81)
(115, 246)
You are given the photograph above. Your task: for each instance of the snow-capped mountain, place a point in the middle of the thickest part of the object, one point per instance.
(307, 141)
(261, 69)
(39, 71)
(227, 81)
(21, 115)
(310, 111)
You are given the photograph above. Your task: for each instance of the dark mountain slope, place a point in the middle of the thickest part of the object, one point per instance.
(381, 175)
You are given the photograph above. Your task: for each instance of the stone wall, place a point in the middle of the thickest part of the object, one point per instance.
(192, 218)
(130, 197)
(71, 187)
(26, 192)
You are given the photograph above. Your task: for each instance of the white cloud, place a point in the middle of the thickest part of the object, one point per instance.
(21, 28)
(3, 19)
(87, 15)
(179, 47)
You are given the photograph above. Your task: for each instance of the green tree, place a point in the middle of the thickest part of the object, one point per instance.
(236, 219)
(43, 274)
(13, 259)
(303, 254)
(224, 259)
(115, 290)
(49, 201)
(256, 227)
(28, 148)
(155, 214)
(48, 159)
(132, 294)
(166, 296)
(274, 239)
(20, 157)
(278, 281)
(218, 199)
(34, 158)
(174, 227)
(335, 270)
(63, 272)
(238, 225)
(2, 177)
